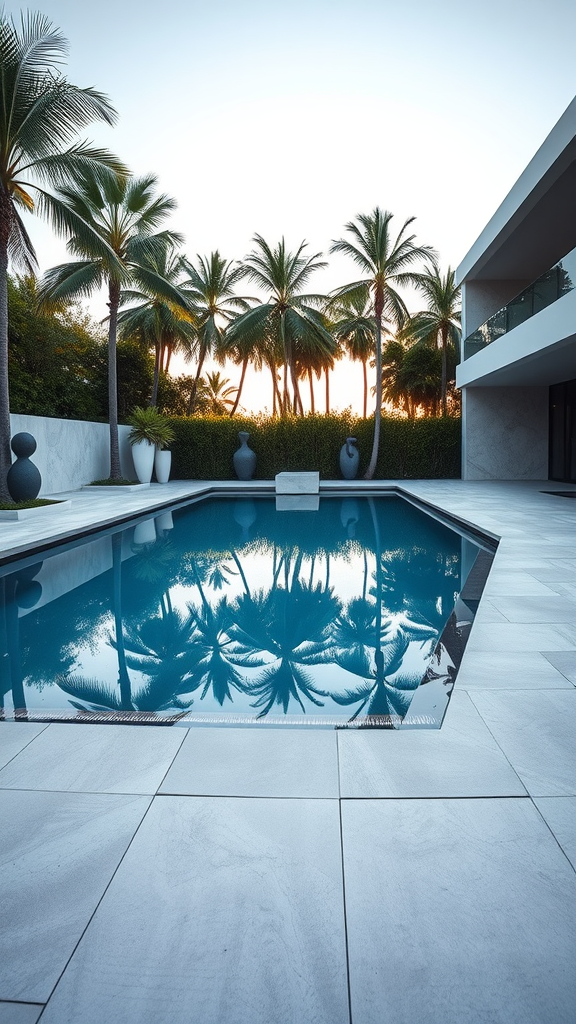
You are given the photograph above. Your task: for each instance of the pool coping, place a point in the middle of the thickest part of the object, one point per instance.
(40, 537)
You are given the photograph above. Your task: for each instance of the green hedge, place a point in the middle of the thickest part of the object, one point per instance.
(420, 449)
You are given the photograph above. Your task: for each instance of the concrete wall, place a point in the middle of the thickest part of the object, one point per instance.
(71, 453)
(505, 433)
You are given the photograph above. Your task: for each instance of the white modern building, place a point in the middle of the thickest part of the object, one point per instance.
(518, 364)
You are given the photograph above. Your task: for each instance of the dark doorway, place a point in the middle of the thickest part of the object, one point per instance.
(563, 431)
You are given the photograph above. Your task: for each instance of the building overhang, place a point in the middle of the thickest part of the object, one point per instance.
(541, 351)
(535, 224)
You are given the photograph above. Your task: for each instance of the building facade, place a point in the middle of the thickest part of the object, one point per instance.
(518, 362)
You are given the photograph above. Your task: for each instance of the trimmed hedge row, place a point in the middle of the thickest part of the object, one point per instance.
(415, 449)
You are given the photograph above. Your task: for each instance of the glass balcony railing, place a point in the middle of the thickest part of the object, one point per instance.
(555, 283)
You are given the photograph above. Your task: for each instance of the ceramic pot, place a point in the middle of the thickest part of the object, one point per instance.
(144, 533)
(143, 457)
(244, 458)
(349, 459)
(164, 524)
(162, 463)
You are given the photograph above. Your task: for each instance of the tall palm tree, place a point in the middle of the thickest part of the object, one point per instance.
(161, 325)
(292, 319)
(242, 351)
(41, 114)
(440, 324)
(386, 262)
(354, 325)
(123, 213)
(210, 290)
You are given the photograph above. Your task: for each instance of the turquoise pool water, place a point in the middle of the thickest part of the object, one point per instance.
(230, 610)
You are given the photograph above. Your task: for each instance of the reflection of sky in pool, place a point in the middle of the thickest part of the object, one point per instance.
(229, 610)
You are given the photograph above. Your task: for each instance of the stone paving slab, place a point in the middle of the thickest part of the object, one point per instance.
(59, 852)
(222, 910)
(463, 911)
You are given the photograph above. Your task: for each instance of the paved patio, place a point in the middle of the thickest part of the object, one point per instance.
(277, 876)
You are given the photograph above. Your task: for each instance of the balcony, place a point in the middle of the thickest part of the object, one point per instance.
(551, 286)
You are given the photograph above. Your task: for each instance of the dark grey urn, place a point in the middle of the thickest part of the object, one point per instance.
(244, 458)
(23, 479)
(349, 459)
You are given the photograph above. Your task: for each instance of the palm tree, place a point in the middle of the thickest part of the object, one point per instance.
(209, 288)
(162, 325)
(242, 351)
(440, 324)
(354, 325)
(393, 389)
(386, 262)
(291, 626)
(215, 394)
(122, 212)
(41, 114)
(289, 317)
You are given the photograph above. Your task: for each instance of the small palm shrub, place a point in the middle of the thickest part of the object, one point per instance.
(150, 425)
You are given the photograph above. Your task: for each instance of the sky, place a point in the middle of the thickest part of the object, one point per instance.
(290, 119)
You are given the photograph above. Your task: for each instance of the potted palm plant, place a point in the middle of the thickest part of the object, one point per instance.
(150, 437)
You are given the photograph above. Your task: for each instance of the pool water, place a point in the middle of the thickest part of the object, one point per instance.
(230, 611)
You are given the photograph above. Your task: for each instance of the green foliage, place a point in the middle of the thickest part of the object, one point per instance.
(150, 425)
(174, 394)
(58, 362)
(410, 449)
(52, 356)
(135, 371)
(14, 506)
(108, 482)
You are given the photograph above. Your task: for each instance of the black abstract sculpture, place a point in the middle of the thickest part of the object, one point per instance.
(23, 479)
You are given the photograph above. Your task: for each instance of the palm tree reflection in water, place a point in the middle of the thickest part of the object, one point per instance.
(242, 610)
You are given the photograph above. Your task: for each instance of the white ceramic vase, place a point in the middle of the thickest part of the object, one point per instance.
(144, 533)
(143, 458)
(162, 463)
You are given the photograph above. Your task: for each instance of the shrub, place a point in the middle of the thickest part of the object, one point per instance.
(203, 446)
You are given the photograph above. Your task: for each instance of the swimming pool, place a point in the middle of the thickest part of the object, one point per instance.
(230, 610)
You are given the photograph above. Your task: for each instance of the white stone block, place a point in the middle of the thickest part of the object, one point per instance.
(297, 483)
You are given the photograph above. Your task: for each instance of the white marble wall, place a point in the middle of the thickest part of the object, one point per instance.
(505, 433)
(71, 453)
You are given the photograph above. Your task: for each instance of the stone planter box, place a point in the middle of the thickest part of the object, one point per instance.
(110, 488)
(11, 515)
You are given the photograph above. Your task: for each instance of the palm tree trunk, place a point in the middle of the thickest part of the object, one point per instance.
(285, 398)
(378, 309)
(123, 677)
(113, 303)
(327, 390)
(444, 371)
(240, 386)
(157, 359)
(241, 571)
(298, 407)
(275, 391)
(365, 374)
(5, 431)
(196, 379)
(312, 409)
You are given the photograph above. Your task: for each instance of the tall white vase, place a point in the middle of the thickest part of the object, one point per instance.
(162, 463)
(143, 457)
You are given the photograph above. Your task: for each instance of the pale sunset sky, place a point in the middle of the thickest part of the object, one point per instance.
(291, 118)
